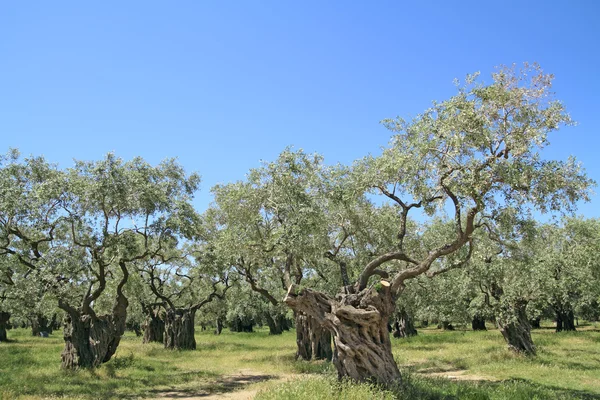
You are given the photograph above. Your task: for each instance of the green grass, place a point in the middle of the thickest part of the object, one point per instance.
(567, 366)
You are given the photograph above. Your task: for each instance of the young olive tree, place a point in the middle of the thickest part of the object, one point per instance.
(477, 152)
(79, 230)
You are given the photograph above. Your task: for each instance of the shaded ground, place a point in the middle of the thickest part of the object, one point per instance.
(239, 386)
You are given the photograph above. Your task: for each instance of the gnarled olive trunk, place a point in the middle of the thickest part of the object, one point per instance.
(41, 325)
(179, 329)
(313, 340)
(478, 323)
(358, 323)
(91, 340)
(154, 327)
(277, 324)
(515, 328)
(4, 317)
(565, 320)
(404, 326)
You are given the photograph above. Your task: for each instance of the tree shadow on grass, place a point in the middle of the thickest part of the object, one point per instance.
(225, 384)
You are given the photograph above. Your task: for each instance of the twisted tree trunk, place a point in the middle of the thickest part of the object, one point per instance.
(478, 323)
(404, 326)
(314, 341)
(358, 323)
(154, 327)
(179, 329)
(4, 317)
(91, 340)
(515, 328)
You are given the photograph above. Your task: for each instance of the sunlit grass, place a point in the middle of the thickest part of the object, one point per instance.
(567, 366)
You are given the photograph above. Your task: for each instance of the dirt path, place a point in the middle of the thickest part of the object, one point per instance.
(231, 387)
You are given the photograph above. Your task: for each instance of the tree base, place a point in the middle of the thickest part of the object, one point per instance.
(478, 324)
(90, 341)
(179, 330)
(313, 341)
(358, 323)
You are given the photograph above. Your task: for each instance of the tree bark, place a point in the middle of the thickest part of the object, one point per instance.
(219, 326)
(154, 327)
(516, 330)
(91, 340)
(478, 323)
(565, 320)
(404, 326)
(179, 329)
(314, 341)
(275, 324)
(40, 324)
(358, 323)
(4, 317)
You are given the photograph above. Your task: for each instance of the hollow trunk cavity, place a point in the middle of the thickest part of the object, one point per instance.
(90, 341)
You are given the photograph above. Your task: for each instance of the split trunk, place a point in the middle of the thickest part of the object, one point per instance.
(219, 326)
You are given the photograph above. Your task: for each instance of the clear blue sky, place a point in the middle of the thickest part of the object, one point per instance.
(222, 85)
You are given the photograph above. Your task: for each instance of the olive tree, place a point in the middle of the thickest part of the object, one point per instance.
(475, 153)
(79, 230)
(569, 255)
(270, 223)
(183, 284)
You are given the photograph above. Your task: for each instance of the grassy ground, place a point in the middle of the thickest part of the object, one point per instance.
(568, 366)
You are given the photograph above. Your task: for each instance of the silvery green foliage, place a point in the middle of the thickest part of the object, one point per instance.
(475, 156)
(269, 224)
(75, 230)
